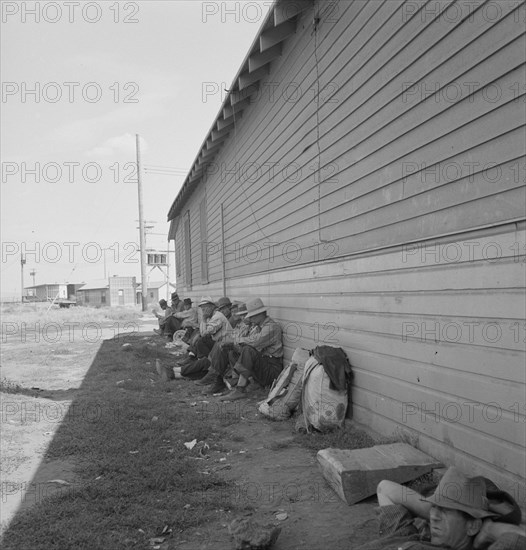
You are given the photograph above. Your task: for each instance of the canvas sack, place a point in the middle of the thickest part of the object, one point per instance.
(285, 393)
(323, 408)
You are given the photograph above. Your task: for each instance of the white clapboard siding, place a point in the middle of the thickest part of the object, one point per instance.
(387, 216)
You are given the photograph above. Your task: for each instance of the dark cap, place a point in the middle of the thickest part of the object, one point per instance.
(222, 302)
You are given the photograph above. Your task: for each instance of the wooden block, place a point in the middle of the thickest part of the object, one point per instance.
(355, 474)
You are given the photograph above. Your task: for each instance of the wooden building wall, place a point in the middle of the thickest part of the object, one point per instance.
(373, 196)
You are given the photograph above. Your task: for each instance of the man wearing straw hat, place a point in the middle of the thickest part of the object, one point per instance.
(261, 357)
(458, 516)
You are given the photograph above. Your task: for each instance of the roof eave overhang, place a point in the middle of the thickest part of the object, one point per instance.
(279, 24)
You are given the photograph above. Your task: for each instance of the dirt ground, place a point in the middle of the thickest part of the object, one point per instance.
(271, 473)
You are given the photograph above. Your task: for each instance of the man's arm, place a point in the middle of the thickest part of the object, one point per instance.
(183, 314)
(212, 325)
(389, 492)
(261, 339)
(509, 535)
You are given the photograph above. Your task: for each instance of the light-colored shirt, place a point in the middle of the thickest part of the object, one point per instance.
(189, 317)
(177, 307)
(217, 326)
(266, 338)
(241, 330)
(164, 315)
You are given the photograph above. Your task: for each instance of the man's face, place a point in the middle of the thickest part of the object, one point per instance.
(226, 311)
(163, 306)
(207, 310)
(258, 319)
(451, 528)
(187, 306)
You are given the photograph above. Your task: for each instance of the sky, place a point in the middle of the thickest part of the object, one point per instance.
(79, 81)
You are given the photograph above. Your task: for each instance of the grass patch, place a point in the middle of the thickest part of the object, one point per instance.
(135, 476)
(347, 438)
(12, 387)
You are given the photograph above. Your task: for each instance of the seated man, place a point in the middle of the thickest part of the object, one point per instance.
(213, 327)
(225, 353)
(163, 319)
(186, 319)
(214, 324)
(456, 516)
(261, 356)
(177, 304)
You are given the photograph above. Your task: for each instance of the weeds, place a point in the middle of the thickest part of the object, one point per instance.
(134, 473)
(41, 313)
(345, 438)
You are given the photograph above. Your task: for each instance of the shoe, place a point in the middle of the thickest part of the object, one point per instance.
(218, 387)
(235, 395)
(209, 378)
(158, 331)
(230, 384)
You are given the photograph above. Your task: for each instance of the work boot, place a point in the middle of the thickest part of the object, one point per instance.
(235, 394)
(209, 378)
(218, 387)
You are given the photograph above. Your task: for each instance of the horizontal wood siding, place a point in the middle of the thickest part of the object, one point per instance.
(396, 161)
(435, 333)
(374, 198)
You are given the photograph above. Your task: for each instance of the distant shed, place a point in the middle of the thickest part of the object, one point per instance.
(365, 177)
(115, 291)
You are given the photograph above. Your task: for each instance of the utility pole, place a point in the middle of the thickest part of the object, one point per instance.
(144, 282)
(168, 272)
(22, 263)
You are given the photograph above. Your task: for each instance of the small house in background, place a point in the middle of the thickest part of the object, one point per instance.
(52, 292)
(156, 291)
(122, 291)
(116, 291)
(47, 292)
(94, 293)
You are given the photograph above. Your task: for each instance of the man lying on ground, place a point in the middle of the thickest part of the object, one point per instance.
(261, 354)
(163, 319)
(225, 353)
(457, 516)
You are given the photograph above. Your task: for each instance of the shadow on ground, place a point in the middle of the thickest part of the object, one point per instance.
(117, 473)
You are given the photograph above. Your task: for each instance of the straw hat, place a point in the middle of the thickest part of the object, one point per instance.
(206, 300)
(255, 307)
